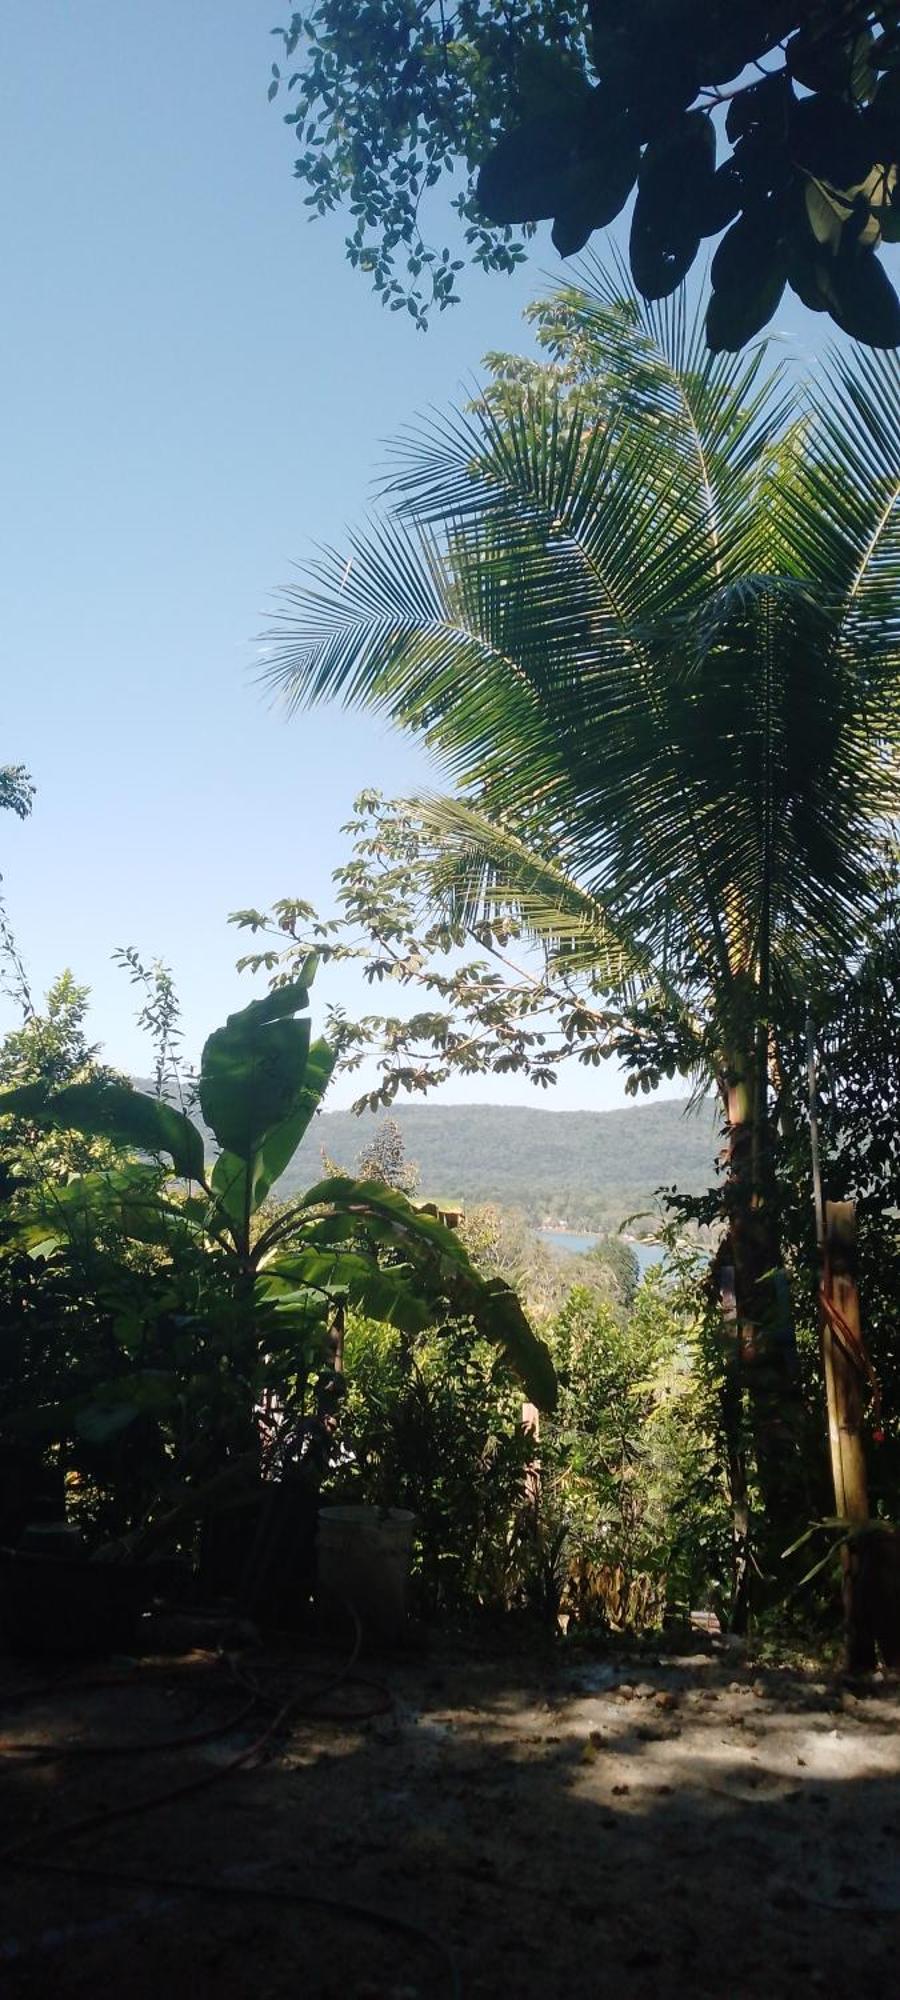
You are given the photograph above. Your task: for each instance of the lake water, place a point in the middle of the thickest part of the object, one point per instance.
(564, 1240)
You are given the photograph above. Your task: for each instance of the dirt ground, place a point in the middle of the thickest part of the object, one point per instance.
(567, 1825)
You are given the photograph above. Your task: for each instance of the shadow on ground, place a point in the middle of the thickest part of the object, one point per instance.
(609, 1829)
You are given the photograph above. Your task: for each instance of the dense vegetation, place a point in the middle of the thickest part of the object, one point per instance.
(167, 1327)
(133, 1351)
(613, 1516)
(155, 1297)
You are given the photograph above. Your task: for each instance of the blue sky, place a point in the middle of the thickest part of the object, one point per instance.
(195, 388)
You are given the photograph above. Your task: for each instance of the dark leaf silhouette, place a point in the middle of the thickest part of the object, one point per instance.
(556, 111)
(677, 173)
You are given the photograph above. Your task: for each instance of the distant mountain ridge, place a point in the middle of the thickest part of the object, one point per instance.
(589, 1169)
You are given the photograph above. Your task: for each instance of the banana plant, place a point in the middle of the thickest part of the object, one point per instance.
(266, 1283)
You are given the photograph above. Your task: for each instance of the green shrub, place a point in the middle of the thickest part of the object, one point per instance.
(631, 1467)
(618, 1512)
(436, 1425)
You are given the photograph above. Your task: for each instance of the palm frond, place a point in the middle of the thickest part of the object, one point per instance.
(842, 508)
(649, 359)
(480, 869)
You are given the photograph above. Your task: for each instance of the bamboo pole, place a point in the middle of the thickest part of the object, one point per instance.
(862, 1588)
(531, 1425)
(842, 1362)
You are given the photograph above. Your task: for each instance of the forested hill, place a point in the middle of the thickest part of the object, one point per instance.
(585, 1169)
(589, 1168)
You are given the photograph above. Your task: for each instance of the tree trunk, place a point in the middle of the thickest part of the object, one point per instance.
(336, 1333)
(766, 1353)
(733, 1430)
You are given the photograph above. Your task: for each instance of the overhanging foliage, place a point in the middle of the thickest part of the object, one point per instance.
(559, 112)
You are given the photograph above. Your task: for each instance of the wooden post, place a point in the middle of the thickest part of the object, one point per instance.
(843, 1370)
(842, 1361)
(531, 1424)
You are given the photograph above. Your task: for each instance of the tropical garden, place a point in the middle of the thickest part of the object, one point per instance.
(501, 1586)
(640, 600)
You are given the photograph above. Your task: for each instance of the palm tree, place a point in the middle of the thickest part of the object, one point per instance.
(643, 603)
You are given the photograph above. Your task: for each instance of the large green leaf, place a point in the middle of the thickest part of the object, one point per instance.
(232, 1185)
(526, 176)
(577, 162)
(675, 181)
(398, 1219)
(114, 1407)
(102, 1412)
(253, 1070)
(345, 1226)
(602, 173)
(861, 298)
(443, 1281)
(499, 1316)
(240, 1183)
(279, 1146)
(749, 272)
(112, 1111)
(393, 1294)
(280, 1002)
(298, 1322)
